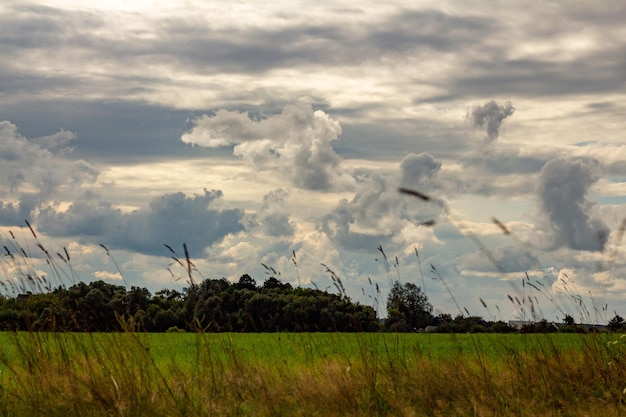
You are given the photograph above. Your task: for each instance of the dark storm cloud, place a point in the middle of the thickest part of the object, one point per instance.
(490, 117)
(569, 216)
(171, 219)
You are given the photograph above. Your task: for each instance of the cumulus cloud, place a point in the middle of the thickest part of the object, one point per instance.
(378, 213)
(59, 142)
(171, 219)
(570, 218)
(296, 142)
(33, 170)
(419, 170)
(490, 117)
(273, 217)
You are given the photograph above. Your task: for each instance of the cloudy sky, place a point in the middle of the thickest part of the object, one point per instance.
(253, 131)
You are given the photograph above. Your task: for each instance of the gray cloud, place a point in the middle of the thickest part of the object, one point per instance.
(597, 67)
(171, 219)
(567, 214)
(490, 117)
(507, 162)
(338, 226)
(396, 77)
(32, 173)
(13, 214)
(194, 44)
(419, 170)
(367, 137)
(197, 44)
(273, 216)
(598, 72)
(116, 130)
(503, 172)
(509, 258)
(378, 212)
(296, 142)
(57, 143)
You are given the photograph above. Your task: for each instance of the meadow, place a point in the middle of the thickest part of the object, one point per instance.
(311, 374)
(132, 373)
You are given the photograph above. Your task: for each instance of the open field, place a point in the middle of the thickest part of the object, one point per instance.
(330, 374)
(307, 348)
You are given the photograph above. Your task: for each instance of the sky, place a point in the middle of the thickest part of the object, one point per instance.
(278, 134)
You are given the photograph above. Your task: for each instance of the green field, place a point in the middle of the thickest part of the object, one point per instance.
(303, 349)
(325, 374)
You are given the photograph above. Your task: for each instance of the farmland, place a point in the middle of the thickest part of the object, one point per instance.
(326, 374)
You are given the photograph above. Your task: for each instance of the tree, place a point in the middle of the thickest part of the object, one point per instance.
(273, 283)
(616, 323)
(246, 282)
(408, 308)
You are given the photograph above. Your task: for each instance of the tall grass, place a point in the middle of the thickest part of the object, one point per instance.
(122, 374)
(67, 374)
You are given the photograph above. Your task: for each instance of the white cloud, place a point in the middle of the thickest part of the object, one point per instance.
(296, 142)
(378, 213)
(106, 275)
(32, 174)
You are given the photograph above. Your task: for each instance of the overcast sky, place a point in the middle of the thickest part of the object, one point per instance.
(255, 130)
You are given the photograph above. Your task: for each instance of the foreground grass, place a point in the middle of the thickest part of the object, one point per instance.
(130, 374)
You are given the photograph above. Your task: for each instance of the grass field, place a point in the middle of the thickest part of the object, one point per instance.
(308, 348)
(326, 374)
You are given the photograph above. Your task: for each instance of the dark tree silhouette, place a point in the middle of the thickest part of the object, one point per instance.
(616, 323)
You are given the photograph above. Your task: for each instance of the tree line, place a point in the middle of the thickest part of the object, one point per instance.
(214, 305)
(217, 305)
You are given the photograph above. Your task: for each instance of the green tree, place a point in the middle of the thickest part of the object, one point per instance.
(408, 308)
(616, 323)
(246, 282)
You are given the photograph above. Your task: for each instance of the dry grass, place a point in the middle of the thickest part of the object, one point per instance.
(116, 375)
(67, 375)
